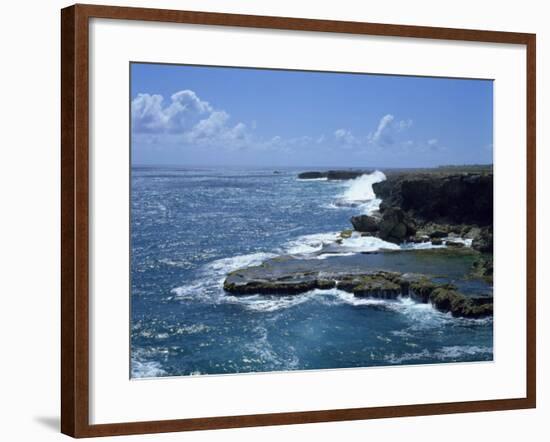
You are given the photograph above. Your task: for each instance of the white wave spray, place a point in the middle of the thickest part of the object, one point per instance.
(360, 189)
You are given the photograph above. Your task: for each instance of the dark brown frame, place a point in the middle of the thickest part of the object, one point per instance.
(74, 220)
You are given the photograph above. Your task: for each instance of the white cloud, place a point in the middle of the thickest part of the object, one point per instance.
(391, 133)
(345, 137)
(188, 120)
(404, 125)
(147, 113)
(188, 101)
(194, 120)
(237, 132)
(208, 128)
(151, 115)
(383, 125)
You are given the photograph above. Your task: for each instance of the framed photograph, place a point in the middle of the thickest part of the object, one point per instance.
(272, 221)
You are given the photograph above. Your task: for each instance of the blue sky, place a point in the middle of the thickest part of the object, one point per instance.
(211, 116)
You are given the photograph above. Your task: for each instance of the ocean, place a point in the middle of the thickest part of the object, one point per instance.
(190, 227)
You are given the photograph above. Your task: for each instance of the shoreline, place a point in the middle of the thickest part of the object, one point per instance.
(401, 221)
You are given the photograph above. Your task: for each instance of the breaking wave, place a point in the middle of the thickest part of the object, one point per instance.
(359, 244)
(211, 277)
(226, 265)
(360, 189)
(307, 244)
(359, 193)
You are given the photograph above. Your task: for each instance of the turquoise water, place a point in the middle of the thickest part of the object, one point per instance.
(189, 227)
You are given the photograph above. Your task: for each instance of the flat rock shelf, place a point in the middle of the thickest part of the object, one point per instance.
(451, 286)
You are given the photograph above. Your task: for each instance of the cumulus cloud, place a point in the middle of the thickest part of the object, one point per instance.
(209, 127)
(150, 114)
(185, 119)
(147, 113)
(381, 130)
(391, 133)
(188, 101)
(186, 115)
(345, 137)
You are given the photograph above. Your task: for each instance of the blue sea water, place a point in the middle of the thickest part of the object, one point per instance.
(189, 227)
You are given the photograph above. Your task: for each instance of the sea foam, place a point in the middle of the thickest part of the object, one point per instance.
(141, 368)
(226, 265)
(359, 244)
(360, 189)
(212, 275)
(359, 193)
(307, 244)
(312, 246)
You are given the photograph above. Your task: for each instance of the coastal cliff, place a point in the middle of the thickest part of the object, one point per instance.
(421, 206)
(442, 198)
(448, 211)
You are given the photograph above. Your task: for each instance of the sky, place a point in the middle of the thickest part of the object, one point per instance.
(215, 116)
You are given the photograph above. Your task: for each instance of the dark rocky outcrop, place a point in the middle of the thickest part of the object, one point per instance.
(378, 284)
(483, 241)
(483, 268)
(444, 198)
(393, 225)
(446, 298)
(452, 243)
(365, 223)
(333, 174)
(346, 174)
(265, 279)
(312, 175)
(428, 203)
(440, 206)
(396, 226)
(288, 276)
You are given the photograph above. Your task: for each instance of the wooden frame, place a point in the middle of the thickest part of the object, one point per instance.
(74, 220)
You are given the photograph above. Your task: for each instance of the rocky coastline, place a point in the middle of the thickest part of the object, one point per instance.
(451, 208)
(428, 206)
(333, 174)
